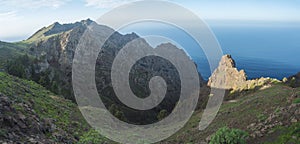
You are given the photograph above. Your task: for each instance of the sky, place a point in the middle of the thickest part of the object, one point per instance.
(21, 18)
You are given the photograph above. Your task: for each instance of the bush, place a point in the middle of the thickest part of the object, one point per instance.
(296, 101)
(115, 110)
(92, 137)
(226, 135)
(261, 117)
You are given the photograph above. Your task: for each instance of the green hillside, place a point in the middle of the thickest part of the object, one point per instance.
(269, 115)
(30, 113)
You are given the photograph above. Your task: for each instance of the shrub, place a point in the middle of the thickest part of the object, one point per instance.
(226, 135)
(296, 101)
(92, 137)
(115, 110)
(261, 117)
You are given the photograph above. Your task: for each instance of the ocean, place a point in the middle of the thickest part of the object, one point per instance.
(262, 51)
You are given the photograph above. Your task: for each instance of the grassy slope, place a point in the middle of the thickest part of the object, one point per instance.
(239, 114)
(46, 104)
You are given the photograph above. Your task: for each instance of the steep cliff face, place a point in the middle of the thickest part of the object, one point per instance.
(51, 51)
(235, 82)
(226, 76)
(139, 77)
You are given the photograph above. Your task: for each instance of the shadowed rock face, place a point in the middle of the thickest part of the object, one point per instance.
(226, 76)
(139, 77)
(53, 49)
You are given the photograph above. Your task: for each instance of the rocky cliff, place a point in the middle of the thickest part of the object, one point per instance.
(226, 76)
(235, 82)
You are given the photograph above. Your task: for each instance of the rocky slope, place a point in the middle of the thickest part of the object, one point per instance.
(31, 114)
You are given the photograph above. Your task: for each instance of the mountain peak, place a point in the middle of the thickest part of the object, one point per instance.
(57, 28)
(227, 61)
(56, 23)
(87, 21)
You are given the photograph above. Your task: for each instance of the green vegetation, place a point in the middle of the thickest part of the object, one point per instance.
(114, 110)
(45, 103)
(40, 35)
(24, 66)
(293, 82)
(288, 135)
(239, 113)
(21, 67)
(296, 101)
(9, 51)
(226, 135)
(92, 137)
(261, 117)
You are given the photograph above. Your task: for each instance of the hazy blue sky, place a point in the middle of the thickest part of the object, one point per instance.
(21, 18)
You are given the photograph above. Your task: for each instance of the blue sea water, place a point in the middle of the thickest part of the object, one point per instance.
(262, 51)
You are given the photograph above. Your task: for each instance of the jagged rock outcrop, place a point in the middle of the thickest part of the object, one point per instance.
(235, 82)
(226, 76)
